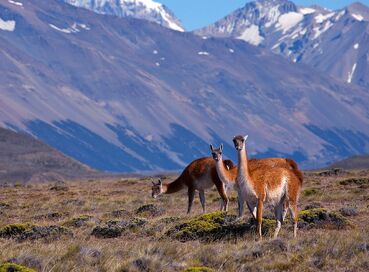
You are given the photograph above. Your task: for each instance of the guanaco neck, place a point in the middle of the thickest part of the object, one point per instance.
(174, 186)
(243, 167)
(224, 174)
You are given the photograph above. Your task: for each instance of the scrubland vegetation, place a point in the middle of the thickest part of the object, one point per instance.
(115, 225)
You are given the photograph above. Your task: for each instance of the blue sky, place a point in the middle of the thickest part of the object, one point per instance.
(197, 13)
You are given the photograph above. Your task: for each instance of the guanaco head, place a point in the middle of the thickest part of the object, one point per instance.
(216, 152)
(239, 142)
(157, 188)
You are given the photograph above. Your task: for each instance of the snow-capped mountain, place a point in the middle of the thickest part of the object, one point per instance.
(122, 94)
(335, 42)
(140, 9)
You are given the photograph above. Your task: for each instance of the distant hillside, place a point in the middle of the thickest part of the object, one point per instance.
(24, 159)
(354, 162)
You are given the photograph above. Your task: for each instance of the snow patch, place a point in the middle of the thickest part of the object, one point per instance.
(251, 35)
(320, 18)
(356, 45)
(231, 50)
(15, 3)
(357, 17)
(320, 30)
(204, 37)
(340, 14)
(351, 74)
(203, 53)
(157, 64)
(155, 52)
(305, 11)
(7, 25)
(75, 28)
(289, 20)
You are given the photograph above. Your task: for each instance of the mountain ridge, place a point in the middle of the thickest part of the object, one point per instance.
(312, 35)
(126, 95)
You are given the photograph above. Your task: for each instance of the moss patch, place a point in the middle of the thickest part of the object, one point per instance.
(149, 210)
(355, 181)
(311, 191)
(322, 218)
(7, 267)
(78, 221)
(115, 228)
(27, 231)
(216, 226)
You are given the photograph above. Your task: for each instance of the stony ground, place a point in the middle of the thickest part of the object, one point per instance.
(115, 225)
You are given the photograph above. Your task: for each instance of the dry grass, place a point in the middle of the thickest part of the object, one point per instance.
(85, 205)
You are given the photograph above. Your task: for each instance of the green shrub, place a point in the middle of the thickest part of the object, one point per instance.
(7, 267)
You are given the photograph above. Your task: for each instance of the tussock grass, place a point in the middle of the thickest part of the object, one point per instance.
(158, 235)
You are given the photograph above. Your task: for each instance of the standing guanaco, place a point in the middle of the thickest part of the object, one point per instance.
(228, 175)
(276, 186)
(199, 175)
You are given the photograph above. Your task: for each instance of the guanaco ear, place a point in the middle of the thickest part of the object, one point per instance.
(153, 183)
(211, 147)
(245, 138)
(221, 147)
(159, 182)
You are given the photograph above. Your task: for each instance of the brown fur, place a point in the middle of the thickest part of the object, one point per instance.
(278, 185)
(195, 178)
(229, 175)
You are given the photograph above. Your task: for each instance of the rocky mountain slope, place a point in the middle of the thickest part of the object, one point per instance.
(23, 158)
(334, 42)
(122, 94)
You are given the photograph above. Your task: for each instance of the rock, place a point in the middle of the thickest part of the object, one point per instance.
(4, 205)
(149, 210)
(348, 211)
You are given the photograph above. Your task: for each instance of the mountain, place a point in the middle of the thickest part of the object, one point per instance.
(333, 42)
(140, 9)
(23, 158)
(354, 162)
(121, 94)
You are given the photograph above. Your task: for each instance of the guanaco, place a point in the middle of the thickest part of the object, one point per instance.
(199, 175)
(275, 186)
(228, 175)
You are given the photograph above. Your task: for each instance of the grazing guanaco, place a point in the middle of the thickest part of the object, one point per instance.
(228, 175)
(199, 175)
(275, 186)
